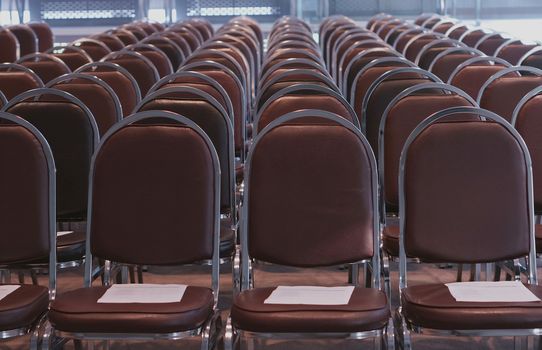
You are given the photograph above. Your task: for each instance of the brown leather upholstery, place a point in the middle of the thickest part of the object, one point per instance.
(433, 306)
(329, 216)
(74, 60)
(401, 43)
(489, 46)
(429, 55)
(160, 61)
(533, 61)
(381, 97)
(276, 87)
(46, 70)
(503, 94)
(359, 64)
(152, 206)
(444, 67)
(401, 121)
(236, 97)
(471, 78)
(366, 310)
(457, 32)
(28, 41)
(24, 220)
(78, 311)
(96, 98)
(44, 34)
(9, 44)
(23, 307)
(390, 240)
(512, 53)
(210, 120)
(95, 51)
(529, 126)
(142, 72)
(68, 131)
(171, 51)
(13, 83)
(122, 86)
(488, 212)
(294, 102)
(415, 47)
(110, 41)
(472, 38)
(200, 85)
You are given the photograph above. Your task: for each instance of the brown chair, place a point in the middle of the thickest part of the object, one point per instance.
(173, 51)
(476, 225)
(403, 38)
(16, 79)
(490, 42)
(526, 121)
(302, 96)
(471, 74)
(46, 38)
(417, 43)
(139, 66)
(429, 51)
(182, 192)
(361, 50)
(28, 225)
(96, 49)
(471, 36)
(96, 94)
(10, 46)
(3, 100)
(28, 41)
(381, 92)
(124, 35)
(446, 61)
(73, 56)
(113, 42)
(119, 79)
(502, 92)
(532, 58)
(158, 57)
(236, 91)
(46, 66)
(213, 119)
(456, 31)
(281, 168)
(187, 35)
(513, 50)
(291, 64)
(70, 129)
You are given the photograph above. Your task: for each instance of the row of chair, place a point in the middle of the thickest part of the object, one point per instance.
(393, 73)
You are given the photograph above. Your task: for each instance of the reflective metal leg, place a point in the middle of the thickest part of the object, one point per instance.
(389, 335)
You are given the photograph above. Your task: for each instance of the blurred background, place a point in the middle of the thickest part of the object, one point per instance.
(520, 18)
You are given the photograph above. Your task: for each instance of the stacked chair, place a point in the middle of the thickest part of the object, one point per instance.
(148, 145)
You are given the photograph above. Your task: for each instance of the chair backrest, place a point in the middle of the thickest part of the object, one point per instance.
(402, 115)
(96, 94)
(382, 91)
(10, 46)
(303, 96)
(142, 196)
(526, 120)
(212, 118)
(96, 49)
(311, 160)
(139, 66)
(501, 92)
(447, 60)
(70, 129)
(158, 57)
(46, 66)
(471, 74)
(119, 79)
(113, 42)
(447, 213)
(174, 53)
(73, 56)
(28, 40)
(15, 79)
(45, 35)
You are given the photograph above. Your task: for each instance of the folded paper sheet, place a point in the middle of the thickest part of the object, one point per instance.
(310, 295)
(7, 289)
(143, 293)
(63, 233)
(491, 292)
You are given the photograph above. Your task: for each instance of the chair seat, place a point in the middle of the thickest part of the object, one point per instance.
(390, 240)
(69, 247)
(367, 310)
(79, 311)
(239, 171)
(432, 306)
(23, 307)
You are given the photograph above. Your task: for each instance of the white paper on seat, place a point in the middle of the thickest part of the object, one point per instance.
(502, 291)
(310, 295)
(7, 289)
(143, 293)
(63, 233)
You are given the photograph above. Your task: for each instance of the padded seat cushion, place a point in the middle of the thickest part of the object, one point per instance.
(78, 311)
(432, 306)
(23, 307)
(390, 240)
(367, 310)
(227, 239)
